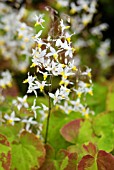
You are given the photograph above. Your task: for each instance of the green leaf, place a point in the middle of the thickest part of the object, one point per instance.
(97, 102)
(110, 102)
(11, 132)
(85, 133)
(103, 127)
(5, 153)
(28, 153)
(64, 163)
(110, 96)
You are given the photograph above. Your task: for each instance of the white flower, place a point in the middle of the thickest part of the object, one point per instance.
(53, 53)
(74, 8)
(66, 108)
(38, 57)
(11, 119)
(66, 72)
(62, 3)
(63, 27)
(56, 97)
(41, 85)
(29, 122)
(39, 20)
(34, 108)
(22, 102)
(86, 19)
(43, 112)
(87, 72)
(6, 79)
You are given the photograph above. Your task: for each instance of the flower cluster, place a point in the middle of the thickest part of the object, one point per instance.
(54, 56)
(15, 40)
(88, 35)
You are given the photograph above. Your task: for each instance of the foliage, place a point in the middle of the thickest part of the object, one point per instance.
(68, 123)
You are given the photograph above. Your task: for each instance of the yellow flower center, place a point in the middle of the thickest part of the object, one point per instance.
(55, 56)
(68, 39)
(25, 81)
(41, 88)
(79, 94)
(72, 11)
(10, 121)
(90, 92)
(45, 76)
(74, 68)
(86, 115)
(33, 65)
(39, 45)
(26, 40)
(89, 74)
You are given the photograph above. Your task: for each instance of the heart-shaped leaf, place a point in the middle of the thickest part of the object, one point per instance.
(28, 153)
(105, 161)
(70, 131)
(90, 149)
(87, 163)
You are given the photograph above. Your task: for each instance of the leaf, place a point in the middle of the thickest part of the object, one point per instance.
(110, 96)
(68, 160)
(98, 101)
(57, 121)
(105, 161)
(11, 132)
(49, 159)
(5, 153)
(87, 163)
(28, 153)
(85, 133)
(64, 163)
(90, 149)
(103, 127)
(70, 131)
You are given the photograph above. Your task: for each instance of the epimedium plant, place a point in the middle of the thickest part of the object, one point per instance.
(60, 132)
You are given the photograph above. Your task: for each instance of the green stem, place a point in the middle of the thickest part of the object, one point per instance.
(48, 118)
(49, 112)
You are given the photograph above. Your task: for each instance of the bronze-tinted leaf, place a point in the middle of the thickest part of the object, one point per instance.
(105, 161)
(70, 130)
(5, 153)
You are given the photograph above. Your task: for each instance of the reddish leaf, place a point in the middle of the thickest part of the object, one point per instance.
(86, 162)
(49, 160)
(5, 153)
(70, 130)
(72, 159)
(105, 161)
(90, 149)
